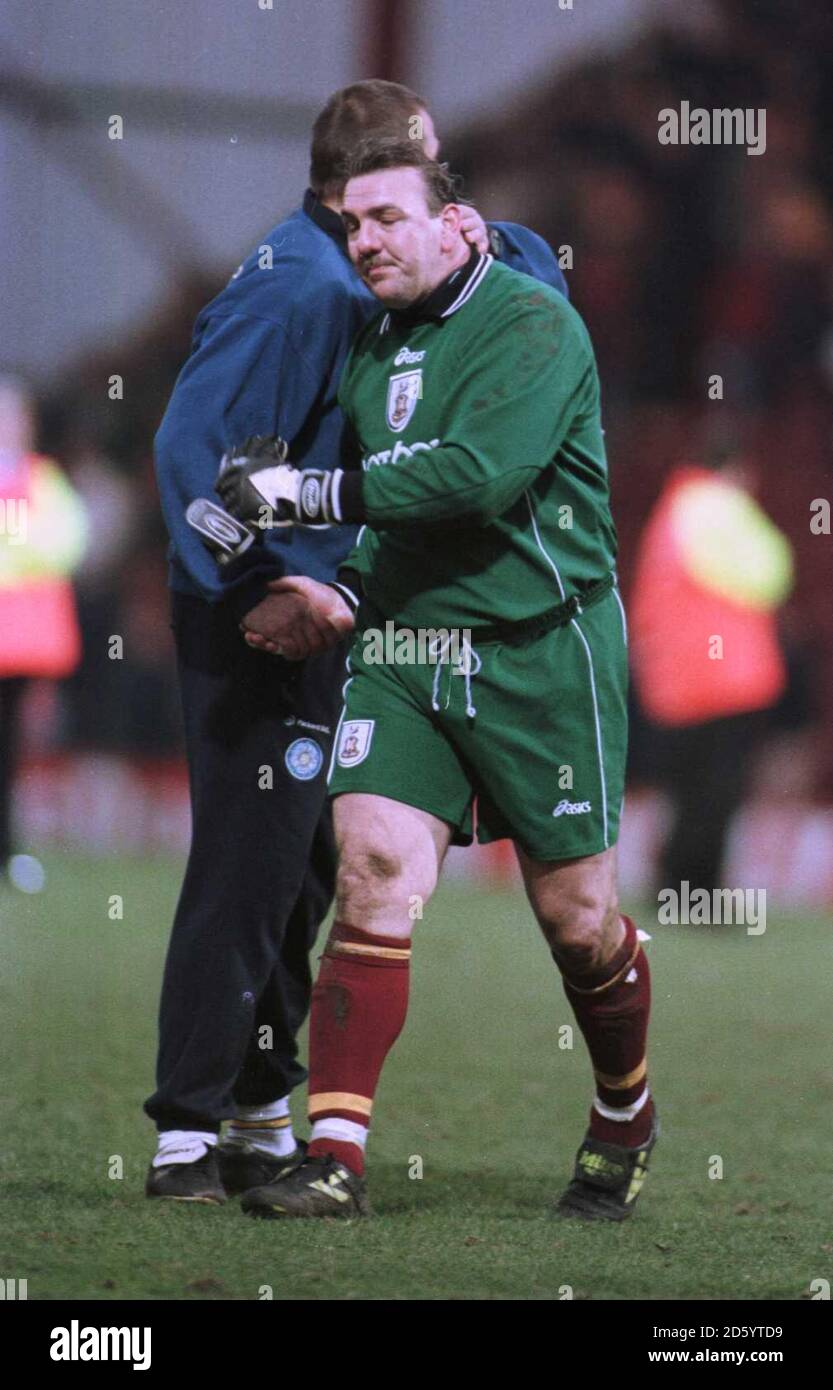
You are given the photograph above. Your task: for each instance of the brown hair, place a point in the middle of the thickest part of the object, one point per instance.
(353, 113)
(381, 152)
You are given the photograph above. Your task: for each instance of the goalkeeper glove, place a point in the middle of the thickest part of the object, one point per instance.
(257, 485)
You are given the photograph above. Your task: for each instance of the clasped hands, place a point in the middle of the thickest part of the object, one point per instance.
(299, 616)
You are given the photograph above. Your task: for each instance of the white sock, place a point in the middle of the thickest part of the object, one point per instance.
(345, 1131)
(267, 1128)
(182, 1146)
(624, 1113)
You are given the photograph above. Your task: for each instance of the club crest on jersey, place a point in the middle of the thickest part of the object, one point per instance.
(354, 743)
(404, 390)
(303, 759)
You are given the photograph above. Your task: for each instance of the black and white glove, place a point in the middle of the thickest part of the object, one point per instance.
(258, 486)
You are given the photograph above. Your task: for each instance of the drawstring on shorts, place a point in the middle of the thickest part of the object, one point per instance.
(468, 667)
(469, 655)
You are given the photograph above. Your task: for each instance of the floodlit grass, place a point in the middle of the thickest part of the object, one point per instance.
(477, 1088)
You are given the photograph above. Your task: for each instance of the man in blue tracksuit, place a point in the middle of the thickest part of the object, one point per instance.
(266, 358)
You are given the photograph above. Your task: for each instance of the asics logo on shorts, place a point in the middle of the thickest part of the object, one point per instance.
(572, 808)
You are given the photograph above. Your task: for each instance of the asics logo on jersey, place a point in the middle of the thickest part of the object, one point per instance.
(405, 355)
(572, 808)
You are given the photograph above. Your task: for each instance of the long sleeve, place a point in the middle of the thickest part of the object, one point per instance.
(244, 377)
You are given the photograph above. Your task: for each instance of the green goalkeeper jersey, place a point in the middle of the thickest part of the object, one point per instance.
(485, 490)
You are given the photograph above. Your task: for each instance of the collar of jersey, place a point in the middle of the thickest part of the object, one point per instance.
(325, 218)
(449, 296)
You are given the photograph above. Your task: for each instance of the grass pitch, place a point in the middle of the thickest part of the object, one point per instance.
(478, 1096)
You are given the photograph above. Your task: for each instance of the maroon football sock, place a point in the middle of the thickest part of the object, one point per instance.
(359, 1004)
(612, 1005)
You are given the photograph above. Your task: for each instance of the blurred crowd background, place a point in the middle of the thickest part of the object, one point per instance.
(685, 261)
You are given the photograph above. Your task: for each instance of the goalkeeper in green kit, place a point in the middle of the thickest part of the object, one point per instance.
(473, 400)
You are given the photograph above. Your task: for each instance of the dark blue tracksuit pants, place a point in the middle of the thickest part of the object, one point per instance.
(260, 874)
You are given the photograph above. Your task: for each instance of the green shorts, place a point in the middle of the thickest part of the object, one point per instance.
(536, 734)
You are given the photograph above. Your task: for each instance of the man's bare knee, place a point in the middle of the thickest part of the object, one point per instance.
(374, 884)
(584, 939)
(576, 904)
(389, 855)
(581, 924)
(369, 875)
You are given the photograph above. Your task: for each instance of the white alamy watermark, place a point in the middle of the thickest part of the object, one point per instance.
(81, 1343)
(720, 907)
(720, 126)
(421, 646)
(14, 519)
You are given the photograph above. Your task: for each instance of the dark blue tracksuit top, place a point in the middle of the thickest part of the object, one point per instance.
(266, 358)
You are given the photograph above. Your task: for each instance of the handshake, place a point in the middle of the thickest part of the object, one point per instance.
(259, 489)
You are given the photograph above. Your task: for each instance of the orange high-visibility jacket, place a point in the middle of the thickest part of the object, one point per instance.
(42, 539)
(711, 571)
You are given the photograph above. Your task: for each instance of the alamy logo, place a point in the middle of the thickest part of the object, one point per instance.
(572, 808)
(722, 126)
(405, 357)
(421, 646)
(14, 1288)
(77, 1343)
(14, 515)
(720, 907)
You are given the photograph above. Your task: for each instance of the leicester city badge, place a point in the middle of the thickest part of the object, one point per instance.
(303, 759)
(404, 390)
(354, 743)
